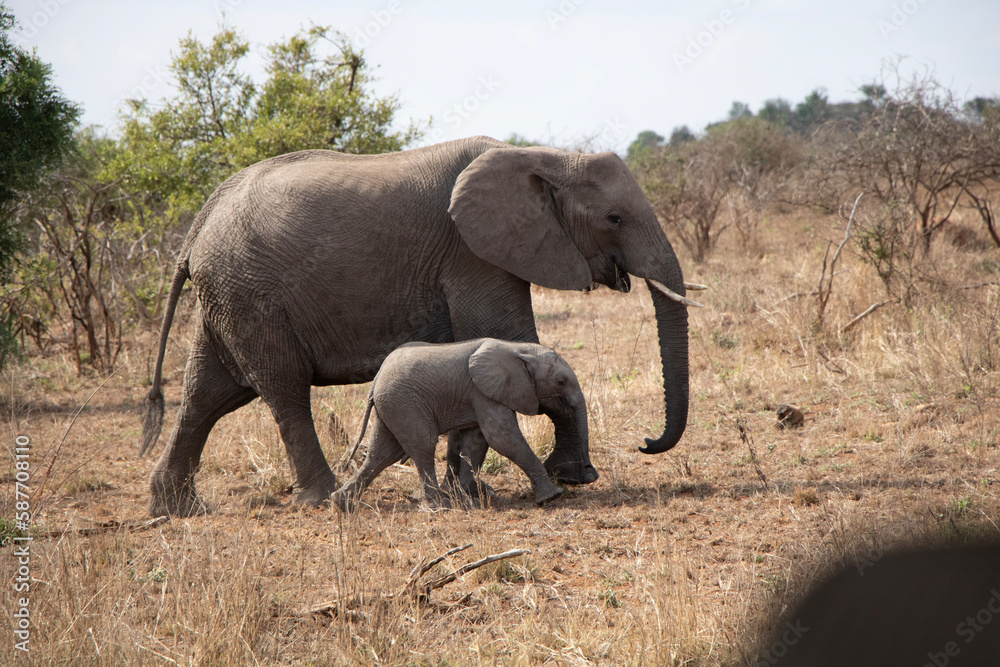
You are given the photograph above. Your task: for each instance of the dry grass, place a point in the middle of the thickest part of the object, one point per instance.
(680, 559)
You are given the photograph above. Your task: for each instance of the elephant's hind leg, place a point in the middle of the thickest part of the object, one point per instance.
(209, 393)
(314, 480)
(382, 453)
(421, 450)
(270, 354)
(466, 452)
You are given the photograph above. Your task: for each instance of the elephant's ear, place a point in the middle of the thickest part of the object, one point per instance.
(501, 374)
(504, 208)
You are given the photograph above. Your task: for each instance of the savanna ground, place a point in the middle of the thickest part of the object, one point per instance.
(683, 558)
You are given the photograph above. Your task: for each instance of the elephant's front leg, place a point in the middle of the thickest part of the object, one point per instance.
(466, 452)
(499, 425)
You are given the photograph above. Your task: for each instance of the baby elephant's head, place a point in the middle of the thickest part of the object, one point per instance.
(556, 386)
(533, 379)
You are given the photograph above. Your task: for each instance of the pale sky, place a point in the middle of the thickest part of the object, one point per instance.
(556, 70)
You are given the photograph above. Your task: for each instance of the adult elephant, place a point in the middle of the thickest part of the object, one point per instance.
(311, 267)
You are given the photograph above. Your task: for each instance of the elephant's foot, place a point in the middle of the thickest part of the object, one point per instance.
(472, 493)
(547, 493)
(567, 468)
(346, 499)
(437, 498)
(173, 495)
(317, 492)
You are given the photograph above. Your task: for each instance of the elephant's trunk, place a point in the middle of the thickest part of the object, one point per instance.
(672, 329)
(569, 461)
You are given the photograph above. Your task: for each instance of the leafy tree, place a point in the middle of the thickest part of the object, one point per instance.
(36, 128)
(874, 94)
(681, 135)
(99, 253)
(646, 140)
(521, 141)
(220, 121)
(738, 110)
(87, 258)
(983, 110)
(811, 112)
(778, 112)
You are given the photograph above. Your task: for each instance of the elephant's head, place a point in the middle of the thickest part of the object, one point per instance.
(534, 379)
(572, 221)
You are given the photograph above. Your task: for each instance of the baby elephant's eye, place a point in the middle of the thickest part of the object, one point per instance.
(561, 382)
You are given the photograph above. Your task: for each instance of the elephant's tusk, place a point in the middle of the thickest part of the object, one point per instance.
(695, 287)
(673, 295)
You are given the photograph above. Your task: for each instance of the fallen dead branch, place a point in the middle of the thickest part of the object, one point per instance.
(425, 565)
(448, 578)
(413, 589)
(131, 525)
(871, 309)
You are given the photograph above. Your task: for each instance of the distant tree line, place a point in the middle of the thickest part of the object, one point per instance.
(917, 153)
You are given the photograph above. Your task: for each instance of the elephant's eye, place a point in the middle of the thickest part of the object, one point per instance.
(561, 382)
(615, 219)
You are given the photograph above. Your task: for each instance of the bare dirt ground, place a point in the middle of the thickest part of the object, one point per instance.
(681, 558)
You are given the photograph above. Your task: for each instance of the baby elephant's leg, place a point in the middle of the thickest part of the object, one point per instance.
(503, 434)
(466, 452)
(383, 452)
(421, 450)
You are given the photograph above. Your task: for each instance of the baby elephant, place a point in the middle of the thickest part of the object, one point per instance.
(424, 390)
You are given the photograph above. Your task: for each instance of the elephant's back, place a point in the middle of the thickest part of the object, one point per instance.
(347, 250)
(294, 202)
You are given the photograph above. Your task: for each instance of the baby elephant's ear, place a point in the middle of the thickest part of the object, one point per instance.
(502, 375)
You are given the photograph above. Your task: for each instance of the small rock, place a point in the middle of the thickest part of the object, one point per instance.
(790, 416)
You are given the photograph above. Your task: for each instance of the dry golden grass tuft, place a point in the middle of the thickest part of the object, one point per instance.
(687, 558)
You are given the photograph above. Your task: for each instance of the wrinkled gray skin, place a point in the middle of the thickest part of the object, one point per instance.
(311, 267)
(425, 390)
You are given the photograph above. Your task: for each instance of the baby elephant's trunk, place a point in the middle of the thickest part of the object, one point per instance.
(569, 461)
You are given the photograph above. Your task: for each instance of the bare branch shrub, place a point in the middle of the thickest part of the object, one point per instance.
(918, 154)
(90, 265)
(739, 164)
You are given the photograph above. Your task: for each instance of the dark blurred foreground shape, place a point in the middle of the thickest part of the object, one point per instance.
(919, 608)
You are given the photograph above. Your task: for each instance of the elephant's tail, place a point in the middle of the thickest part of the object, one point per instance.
(152, 408)
(364, 427)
